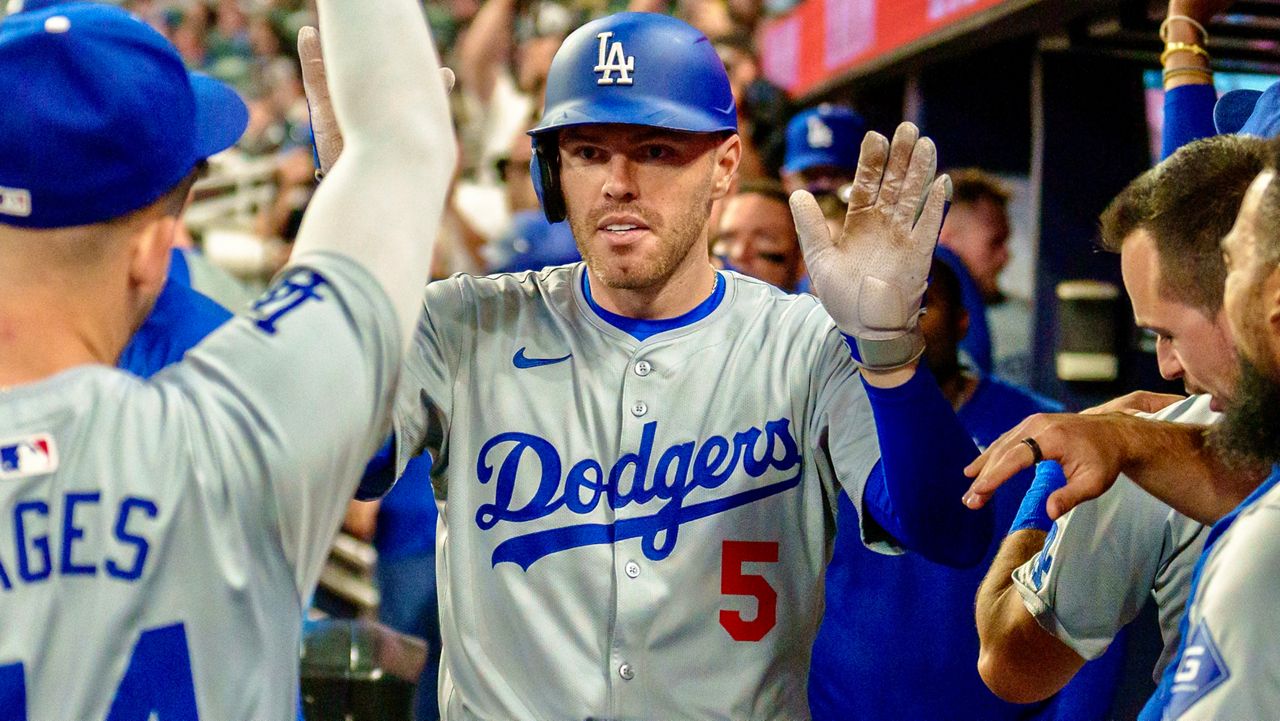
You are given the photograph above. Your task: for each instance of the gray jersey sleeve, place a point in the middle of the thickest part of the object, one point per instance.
(424, 402)
(1103, 559)
(843, 432)
(285, 407)
(1097, 568)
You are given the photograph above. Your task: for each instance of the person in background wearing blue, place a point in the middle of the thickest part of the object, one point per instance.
(402, 527)
(974, 243)
(822, 149)
(898, 640)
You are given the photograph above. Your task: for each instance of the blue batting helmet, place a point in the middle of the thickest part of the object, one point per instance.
(632, 69)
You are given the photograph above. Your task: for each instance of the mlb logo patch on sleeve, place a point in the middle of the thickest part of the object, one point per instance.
(30, 456)
(1200, 670)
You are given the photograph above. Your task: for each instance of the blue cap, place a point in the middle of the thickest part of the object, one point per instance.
(638, 69)
(534, 244)
(1249, 112)
(828, 135)
(101, 117)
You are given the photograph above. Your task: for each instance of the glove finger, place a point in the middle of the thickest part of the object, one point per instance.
(314, 82)
(895, 172)
(324, 124)
(924, 236)
(866, 182)
(449, 78)
(811, 225)
(920, 173)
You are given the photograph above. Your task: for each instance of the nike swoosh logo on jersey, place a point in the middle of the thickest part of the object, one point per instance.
(522, 361)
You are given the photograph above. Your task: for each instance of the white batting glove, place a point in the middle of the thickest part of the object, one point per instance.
(324, 124)
(872, 278)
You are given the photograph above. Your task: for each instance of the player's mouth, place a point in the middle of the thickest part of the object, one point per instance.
(621, 230)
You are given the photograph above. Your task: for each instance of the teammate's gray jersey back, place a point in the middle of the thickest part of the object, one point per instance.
(158, 540)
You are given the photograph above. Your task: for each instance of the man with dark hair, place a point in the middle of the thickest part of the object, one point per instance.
(757, 236)
(1227, 663)
(1058, 593)
(1185, 222)
(975, 244)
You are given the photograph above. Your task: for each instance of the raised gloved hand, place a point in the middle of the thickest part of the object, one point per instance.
(872, 278)
(324, 124)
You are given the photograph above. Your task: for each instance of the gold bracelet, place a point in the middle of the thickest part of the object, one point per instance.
(1164, 28)
(1207, 75)
(1171, 48)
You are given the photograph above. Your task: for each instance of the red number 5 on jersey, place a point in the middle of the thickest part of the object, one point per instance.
(733, 582)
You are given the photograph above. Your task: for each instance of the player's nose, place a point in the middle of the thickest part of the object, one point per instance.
(1170, 364)
(620, 185)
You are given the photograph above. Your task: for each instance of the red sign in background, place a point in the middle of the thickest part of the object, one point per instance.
(820, 39)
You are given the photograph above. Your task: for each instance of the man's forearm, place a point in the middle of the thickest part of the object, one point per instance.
(1018, 660)
(924, 448)
(1175, 463)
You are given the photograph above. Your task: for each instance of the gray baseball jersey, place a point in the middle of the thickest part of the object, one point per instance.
(159, 540)
(631, 530)
(1104, 558)
(1230, 665)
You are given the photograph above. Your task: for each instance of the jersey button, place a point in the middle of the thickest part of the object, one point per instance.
(633, 569)
(643, 368)
(640, 408)
(626, 672)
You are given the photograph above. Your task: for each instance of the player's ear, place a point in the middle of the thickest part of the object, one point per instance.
(149, 258)
(727, 156)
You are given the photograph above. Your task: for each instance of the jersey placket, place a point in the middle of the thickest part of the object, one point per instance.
(637, 582)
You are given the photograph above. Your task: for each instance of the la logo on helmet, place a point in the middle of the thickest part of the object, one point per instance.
(617, 62)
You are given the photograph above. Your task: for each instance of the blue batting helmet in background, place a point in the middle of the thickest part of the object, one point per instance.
(632, 69)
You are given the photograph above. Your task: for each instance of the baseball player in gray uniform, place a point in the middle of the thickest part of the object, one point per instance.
(159, 539)
(1227, 666)
(1094, 571)
(637, 458)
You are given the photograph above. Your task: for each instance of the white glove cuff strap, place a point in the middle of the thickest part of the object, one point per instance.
(887, 355)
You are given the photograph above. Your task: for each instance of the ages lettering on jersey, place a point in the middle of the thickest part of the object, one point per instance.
(680, 469)
(40, 538)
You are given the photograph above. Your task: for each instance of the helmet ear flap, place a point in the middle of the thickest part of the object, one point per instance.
(544, 171)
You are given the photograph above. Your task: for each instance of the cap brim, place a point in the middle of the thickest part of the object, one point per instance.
(221, 116)
(804, 161)
(1232, 110)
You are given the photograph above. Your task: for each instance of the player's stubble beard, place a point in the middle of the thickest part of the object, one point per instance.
(677, 235)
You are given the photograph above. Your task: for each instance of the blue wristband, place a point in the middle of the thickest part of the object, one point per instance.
(1032, 513)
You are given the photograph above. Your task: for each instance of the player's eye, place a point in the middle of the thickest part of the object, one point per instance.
(775, 258)
(657, 152)
(583, 151)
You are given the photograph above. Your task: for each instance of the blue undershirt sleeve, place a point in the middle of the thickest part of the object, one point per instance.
(1188, 116)
(379, 473)
(914, 492)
